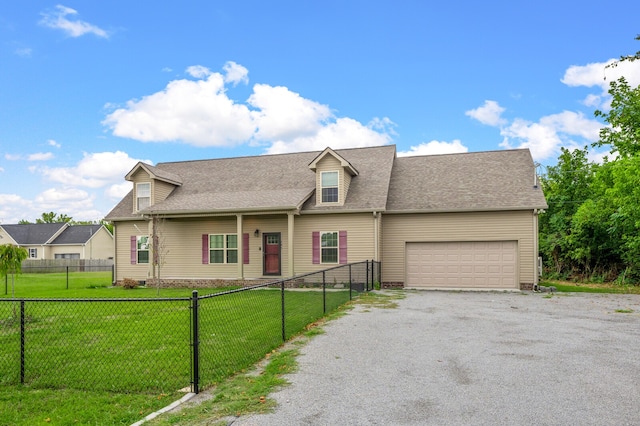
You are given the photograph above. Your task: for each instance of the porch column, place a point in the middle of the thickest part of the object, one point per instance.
(240, 248)
(290, 248)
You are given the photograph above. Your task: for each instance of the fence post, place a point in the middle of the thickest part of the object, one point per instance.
(67, 277)
(113, 274)
(6, 284)
(284, 335)
(195, 343)
(324, 293)
(350, 283)
(367, 274)
(22, 342)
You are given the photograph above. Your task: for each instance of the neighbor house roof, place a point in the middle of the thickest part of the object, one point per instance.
(491, 180)
(265, 183)
(76, 234)
(33, 233)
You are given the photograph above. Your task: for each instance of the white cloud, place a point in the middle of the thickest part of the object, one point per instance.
(600, 75)
(198, 71)
(435, 147)
(53, 143)
(117, 191)
(195, 112)
(235, 73)
(343, 133)
(282, 114)
(1, 169)
(12, 157)
(489, 113)
(201, 113)
(545, 137)
(25, 52)
(59, 19)
(40, 156)
(95, 170)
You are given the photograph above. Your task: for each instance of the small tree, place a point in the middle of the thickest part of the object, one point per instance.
(11, 258)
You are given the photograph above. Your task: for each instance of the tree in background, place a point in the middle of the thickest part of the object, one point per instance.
(592, 227)
(51, 217)
(11, 258)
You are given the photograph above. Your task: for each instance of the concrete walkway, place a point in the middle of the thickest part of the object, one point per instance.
(471, 358)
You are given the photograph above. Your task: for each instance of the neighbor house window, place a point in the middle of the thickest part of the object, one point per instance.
(142, 247)
(143, 196)
(223, 248)
(67, 256)
(33, 253)
(329, 181)
(329, 247)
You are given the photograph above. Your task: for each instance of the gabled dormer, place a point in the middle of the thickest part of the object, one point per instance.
(151, 185)
(333, 178)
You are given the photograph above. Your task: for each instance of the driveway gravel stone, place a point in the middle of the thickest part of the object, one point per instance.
(471, 358)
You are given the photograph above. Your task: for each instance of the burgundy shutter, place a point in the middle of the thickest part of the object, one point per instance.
(315, 247)
(342, 244)
(134, 250)
(245, 249)
(205, 249)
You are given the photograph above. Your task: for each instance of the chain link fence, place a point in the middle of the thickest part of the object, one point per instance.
(164, 344)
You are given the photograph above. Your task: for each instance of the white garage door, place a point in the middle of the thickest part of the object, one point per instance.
(471, 264)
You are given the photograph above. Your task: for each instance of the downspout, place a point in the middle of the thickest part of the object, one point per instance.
(535, 249)
(376, 237)
(240, 241)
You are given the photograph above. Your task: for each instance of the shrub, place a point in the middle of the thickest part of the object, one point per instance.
(129, 283)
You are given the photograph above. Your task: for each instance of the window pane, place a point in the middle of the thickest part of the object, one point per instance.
(216, 256)
(143, 256)
(329, 239)
(232, 256)
(216, 241)
(329, 179)
(329, 195)
(232, 241)
(143, 242)
(329, 255)
(144, 190)
(143, 203)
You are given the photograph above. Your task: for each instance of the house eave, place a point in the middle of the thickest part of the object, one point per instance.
(466, 210)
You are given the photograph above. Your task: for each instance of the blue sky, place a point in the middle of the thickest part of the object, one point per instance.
(87, 88)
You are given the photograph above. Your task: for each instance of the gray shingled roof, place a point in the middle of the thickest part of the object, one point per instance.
(266, 182)
(493, 180)
(33, 233)
(76, 234)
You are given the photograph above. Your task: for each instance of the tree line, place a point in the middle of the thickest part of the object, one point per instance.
(591, 230)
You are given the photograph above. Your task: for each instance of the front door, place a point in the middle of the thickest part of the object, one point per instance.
(271, 253)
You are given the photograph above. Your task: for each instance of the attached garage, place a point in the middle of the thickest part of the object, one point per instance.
(462, 264)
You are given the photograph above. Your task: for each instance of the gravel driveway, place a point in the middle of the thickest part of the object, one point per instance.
(471, 358)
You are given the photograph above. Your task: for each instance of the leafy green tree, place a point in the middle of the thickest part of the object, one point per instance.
(11, 258)
(566, 185)
(623, 132)
(52, 217)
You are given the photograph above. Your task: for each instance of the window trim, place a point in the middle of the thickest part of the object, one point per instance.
(138, 197)
(139, 250)
(336, 186)
(225, 249)
(336, 247)
(33, 253)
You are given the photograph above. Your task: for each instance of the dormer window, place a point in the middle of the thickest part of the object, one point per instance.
(329, 187)
(143, 196)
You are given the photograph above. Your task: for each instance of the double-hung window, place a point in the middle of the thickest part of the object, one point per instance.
(223, 248)
(33, 253)
(329, 182)
(143, 196)
(329, 247)
(142, 249)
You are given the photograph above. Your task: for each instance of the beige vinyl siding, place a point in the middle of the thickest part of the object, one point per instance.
(124, 268)
(473, 226)
(329, 164)
(160, 191)
(360, 240)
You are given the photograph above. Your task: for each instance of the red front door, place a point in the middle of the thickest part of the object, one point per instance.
(271, 253)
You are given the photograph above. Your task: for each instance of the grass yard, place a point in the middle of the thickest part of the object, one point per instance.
(132, 353)
(566, 286)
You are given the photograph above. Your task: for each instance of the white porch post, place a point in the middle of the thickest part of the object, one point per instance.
(290, 248)
(240, 247)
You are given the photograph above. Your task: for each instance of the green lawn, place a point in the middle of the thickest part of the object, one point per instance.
(137, 348)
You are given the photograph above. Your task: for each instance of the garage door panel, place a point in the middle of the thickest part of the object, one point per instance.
(468, 264)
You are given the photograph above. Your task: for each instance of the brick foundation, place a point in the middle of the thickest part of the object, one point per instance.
(392, 284)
